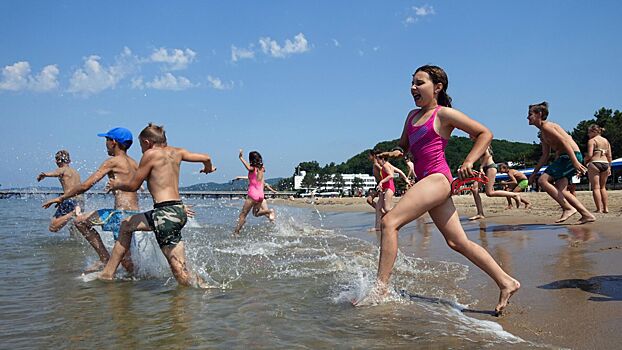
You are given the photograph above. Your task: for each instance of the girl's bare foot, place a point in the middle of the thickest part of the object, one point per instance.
(375, 296)
(509, 207)
(96, 266)
(566, 214)
(272, 215)
(504, 296)
(527, 205)
(605, 211)
(585, 219)
(477, 217)
(103, 277)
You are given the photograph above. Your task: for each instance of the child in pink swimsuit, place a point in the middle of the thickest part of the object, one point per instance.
(255, 199)
(425, 134)
(386, 185)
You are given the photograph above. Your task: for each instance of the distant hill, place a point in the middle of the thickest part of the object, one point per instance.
(239, 185)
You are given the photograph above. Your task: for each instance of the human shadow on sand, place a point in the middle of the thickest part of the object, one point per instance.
(610, 287)
(433, 300)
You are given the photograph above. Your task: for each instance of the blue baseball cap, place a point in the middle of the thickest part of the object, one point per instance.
(121, 135)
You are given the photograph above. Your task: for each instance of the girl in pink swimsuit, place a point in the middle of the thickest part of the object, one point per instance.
(386, 185)
(255, 199)
(425, 134)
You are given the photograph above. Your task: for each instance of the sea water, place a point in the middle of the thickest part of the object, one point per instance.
(283, 285)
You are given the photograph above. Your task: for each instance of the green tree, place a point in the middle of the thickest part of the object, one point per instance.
(339, 182)
(322, 179)
(285, 184)
(309, 181)
(310, 167)
(357, 183)
(607, 118)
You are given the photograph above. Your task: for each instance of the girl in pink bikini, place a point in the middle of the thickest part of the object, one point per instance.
(386, 185)
(425, 134)
(255, 199)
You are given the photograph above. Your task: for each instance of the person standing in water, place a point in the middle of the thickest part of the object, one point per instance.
(426, 132)
(488, 167)
(256, 183)
(68, 178)
(386, 186)
(555, 178)
(598, 160)
(119, 166)
(159, 166)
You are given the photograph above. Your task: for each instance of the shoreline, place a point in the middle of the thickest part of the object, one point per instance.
(571, 293)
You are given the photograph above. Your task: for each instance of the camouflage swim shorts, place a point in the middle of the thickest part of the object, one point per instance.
(166, 220)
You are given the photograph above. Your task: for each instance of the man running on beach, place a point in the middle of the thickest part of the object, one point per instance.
(159, 166)
(68, 178)
(119, 166)
(555, 178)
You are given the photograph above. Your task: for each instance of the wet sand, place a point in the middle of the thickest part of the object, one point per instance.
(571, 275)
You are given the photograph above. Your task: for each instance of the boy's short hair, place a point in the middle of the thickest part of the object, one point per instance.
(153, 133)
(503, 165)
(542, 107)
(62, 156)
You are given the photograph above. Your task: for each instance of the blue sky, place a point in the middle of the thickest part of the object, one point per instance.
(297, 81)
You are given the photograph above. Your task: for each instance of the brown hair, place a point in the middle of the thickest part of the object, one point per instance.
(255, 159)
(542, 107)
(596, 128)
(62, 156)
(154, 133)
(438, 75)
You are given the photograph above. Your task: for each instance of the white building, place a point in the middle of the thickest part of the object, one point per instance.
(369, 182)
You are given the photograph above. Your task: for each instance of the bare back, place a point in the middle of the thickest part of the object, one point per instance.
(517, 175)
(123, 168)
(601, 149)
(555, 136)
(163, 179)
(68, 177)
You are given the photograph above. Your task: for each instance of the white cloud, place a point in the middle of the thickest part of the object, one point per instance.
(424, 10)
(218, 84)
(17, 77)
(272, 48)
(93, 77)
(170, 82)
(419, 11)
(176, 59)
(336, 43)
(239, 53)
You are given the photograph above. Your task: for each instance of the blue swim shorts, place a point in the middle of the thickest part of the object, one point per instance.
(67, 206)
(110, 220)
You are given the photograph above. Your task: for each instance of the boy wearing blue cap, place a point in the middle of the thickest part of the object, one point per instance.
(159, 166)
(69, 178)
(119, 166)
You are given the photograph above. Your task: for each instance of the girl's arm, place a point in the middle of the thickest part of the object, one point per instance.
(609, 155)
(590, 151)
(404, 138)
(269, 187)
(240, 178)
(452, 118)
(246, 165)
(401, 173)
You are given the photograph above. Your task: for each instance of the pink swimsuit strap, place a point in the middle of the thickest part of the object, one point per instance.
(427, 147)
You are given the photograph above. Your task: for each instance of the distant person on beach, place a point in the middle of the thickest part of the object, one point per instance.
(598, 160)
(386, 185)
(425, 134)
(518, 182)
(159, 166)
(411, 169)
(255, 199)
(119, 166)
(488, 167)
(68, 178)
(373, 193)
(555, 178)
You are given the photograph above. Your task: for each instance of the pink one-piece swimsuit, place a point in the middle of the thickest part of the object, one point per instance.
(255, 187)
(427, 148)
(389, 185)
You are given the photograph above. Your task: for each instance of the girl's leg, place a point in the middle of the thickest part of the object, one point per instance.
(603, 192)
(388, 201)
(594, 176)
(380, 204)
(246, 208)
(446, 219)
(478, 203)
(424, 195)
(261, 209)
(490, 188)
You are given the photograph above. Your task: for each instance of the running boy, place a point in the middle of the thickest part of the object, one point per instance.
(119, 166)
(68, 178)
(518, 183)
(159, 166)
(556, 176)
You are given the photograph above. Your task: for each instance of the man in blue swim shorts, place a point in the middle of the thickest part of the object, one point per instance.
(118, 166)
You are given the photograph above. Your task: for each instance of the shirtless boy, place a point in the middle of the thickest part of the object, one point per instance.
(159, 166)
(119, 166)
(518, 182)
(68, 178)
(555, 178)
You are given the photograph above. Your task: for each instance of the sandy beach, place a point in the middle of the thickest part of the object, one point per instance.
(571, 293)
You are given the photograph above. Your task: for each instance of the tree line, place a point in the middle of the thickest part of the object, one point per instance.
(521, 153)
